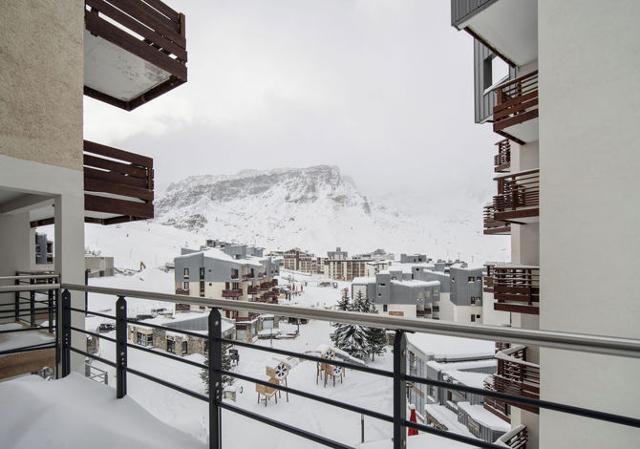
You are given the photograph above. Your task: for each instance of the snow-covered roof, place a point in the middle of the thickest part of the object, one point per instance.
(218, 254)
(484, 417)
(416, 283)
(446, 347)
(448, 418)
(21, 339)
(364, 280)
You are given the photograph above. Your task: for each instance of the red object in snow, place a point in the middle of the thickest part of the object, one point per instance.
(413, 418)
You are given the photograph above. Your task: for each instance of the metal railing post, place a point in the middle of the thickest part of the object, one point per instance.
(215, 379)
(121, 347)
(32, 305)
(50, 307)
(16, 303)
(399, 390)
(65, 333)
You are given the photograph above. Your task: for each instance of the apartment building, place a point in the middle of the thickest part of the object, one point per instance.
(458, 362)
(296, 259)
(395, 293)
(339, 266)
(553, 80)
(237, 272)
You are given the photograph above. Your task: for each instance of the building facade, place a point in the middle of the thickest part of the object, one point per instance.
(554, 111)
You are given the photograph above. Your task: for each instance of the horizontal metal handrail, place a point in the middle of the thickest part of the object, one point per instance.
(28, 276)
(551, 339)
(28, 288)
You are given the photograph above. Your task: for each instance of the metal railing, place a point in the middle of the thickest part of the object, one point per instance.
(32, 313)
(399, 376)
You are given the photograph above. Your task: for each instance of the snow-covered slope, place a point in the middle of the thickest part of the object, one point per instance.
(316, 208)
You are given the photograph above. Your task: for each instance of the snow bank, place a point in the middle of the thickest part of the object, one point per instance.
(77, 413)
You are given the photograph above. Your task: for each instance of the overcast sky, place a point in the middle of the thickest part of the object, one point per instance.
(381, 88)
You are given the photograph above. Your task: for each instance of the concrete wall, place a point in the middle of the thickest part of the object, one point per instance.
(590, 208)
(41, 81)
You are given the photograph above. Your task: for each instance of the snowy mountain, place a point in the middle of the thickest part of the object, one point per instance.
(315, 208)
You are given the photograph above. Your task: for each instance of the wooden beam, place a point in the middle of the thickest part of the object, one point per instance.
(115, 153)
(117, 207)
(99, 185)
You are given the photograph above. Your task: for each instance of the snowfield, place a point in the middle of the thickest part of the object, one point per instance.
(191, 415)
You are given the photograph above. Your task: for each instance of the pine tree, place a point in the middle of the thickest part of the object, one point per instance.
(377, 337)
(226, 366)
(350, 338)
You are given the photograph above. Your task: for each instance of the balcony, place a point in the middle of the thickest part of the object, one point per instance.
(516, 376)
(134, 51)
(502, 160)
(508, 27)
(127, 362)
(493, 226)
(518, 198)
(515, 114)
(253, 290)
(516, 288)
(118, 185)
(182, 291)
(232, 293)
(515, 438)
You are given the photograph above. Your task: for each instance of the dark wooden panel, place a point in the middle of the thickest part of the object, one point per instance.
(118, 207)
(115, 153)
(99, 185)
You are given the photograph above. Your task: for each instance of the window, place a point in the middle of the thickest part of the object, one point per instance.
(473, 318)
(385, 307)
(186, 272)
(234, 273)
(171, 346)
(144, 339)
(201, 273)
(185, 347)
(185, 285)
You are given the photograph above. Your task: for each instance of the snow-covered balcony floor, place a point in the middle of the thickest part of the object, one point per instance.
(77, 413)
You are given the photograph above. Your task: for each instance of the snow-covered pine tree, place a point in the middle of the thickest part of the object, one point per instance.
(376, 337)
(226, 365)
(350, 338)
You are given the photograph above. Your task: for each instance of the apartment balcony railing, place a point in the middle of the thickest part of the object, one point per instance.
(253, 290)
(516, 438)
(516, 288)
(502, 160)
(118, 185)
(135, 50)
(518, 198)
(67, 343)
(493, 226)
(516, 376)
(232, 293)
(266, 285)
(517, 103)
(499, 408)
(182, 291)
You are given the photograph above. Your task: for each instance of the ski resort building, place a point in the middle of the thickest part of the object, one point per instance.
(237, 272)
(339, 266)
(396, 293)
(554, 111)
(460, 362)
(298, 260)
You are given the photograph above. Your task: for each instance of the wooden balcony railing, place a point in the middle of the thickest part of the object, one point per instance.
(499, 408)
(253, 290)
(491, 225)
(266, 285)
(502, 160)
(182, 291)
(518, 196)
(516, 376)
(516, 102)
(146, 37)
(516, 288)
(119, 185)
(231, 293)
(516, 438)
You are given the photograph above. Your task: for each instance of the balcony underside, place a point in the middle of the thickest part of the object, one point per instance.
(522, 128)
(122, 69)
(508, 27)
(519, 216)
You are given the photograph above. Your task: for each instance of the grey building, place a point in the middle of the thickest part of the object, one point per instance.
(414, 258)
(466, 286)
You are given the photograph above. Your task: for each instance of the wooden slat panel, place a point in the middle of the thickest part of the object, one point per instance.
(164, 9)
(114, 177)
(26, 362)
(150, 17)
(118, 207)
(99, 185)
(115, 153)
(114, 167)
(100, 27)
(137, 27)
